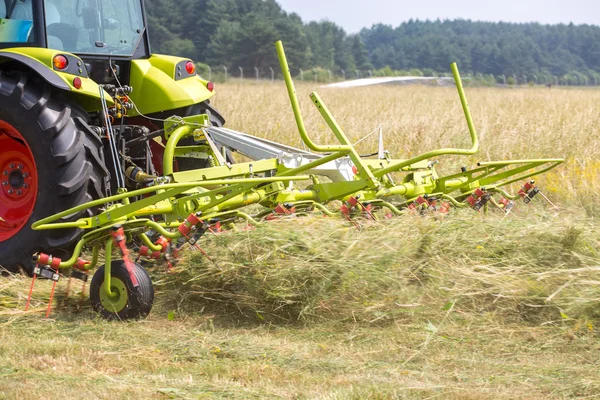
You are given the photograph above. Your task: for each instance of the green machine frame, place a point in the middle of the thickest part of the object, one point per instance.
(178, 204)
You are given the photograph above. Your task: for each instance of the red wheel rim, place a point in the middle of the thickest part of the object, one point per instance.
(18, 181)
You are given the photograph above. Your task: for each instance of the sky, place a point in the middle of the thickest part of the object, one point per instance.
(353, 15)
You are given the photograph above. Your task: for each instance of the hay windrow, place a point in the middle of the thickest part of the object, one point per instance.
(535, 267)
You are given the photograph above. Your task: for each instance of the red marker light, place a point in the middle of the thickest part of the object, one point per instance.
(210, 86)
(60, 62)
(77, 82)
(190, 67)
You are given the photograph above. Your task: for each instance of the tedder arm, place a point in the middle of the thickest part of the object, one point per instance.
(179, 207)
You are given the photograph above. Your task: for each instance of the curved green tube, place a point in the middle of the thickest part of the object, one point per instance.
(439, 152)
(169, 154)
(107, 268)
(287, 77)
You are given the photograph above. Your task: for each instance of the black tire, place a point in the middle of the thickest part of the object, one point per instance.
(68, 157)
(139, 300)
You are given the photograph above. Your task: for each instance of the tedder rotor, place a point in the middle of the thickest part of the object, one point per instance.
(157, 210)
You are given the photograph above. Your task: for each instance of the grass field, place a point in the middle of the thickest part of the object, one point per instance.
(463, 307)
(512, 124)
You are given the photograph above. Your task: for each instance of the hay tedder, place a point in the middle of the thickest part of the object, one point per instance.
(72, 140)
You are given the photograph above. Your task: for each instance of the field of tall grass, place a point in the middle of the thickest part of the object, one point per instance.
(467, 306)
(512, 124)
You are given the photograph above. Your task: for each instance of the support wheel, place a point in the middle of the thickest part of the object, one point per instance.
(129, 302)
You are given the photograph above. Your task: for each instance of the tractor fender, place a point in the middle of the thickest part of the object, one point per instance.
(40, 61)
(42, 70)
(162, 83)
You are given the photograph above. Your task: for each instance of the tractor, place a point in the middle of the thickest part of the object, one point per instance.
(81, 98)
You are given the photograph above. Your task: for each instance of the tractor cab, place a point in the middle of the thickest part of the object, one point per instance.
(95, 30)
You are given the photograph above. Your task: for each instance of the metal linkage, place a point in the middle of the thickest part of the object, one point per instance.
(46, 271)
(478, 199)
(47, 267)
(528, 191)
(119, 239)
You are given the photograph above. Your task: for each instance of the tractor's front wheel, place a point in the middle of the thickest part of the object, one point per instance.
(50, 161)
(126, 301)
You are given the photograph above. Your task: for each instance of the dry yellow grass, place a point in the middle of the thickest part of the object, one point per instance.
(512, 124)
(467, 307)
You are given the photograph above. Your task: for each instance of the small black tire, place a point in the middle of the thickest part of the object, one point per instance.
(131, 302)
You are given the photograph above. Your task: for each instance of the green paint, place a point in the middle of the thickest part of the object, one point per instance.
(108, 287)
(155, 87)
(119, 297)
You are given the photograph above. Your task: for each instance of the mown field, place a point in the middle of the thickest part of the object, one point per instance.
(462, 307)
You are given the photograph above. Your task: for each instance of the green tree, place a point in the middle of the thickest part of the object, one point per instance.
(241, 32)
(361, 57)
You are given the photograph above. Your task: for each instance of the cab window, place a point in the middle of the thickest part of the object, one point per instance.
(16, 21)
(94, 26)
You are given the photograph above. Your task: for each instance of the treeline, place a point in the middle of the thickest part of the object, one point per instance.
(241, 33)
(486, 47)
(238, 35)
